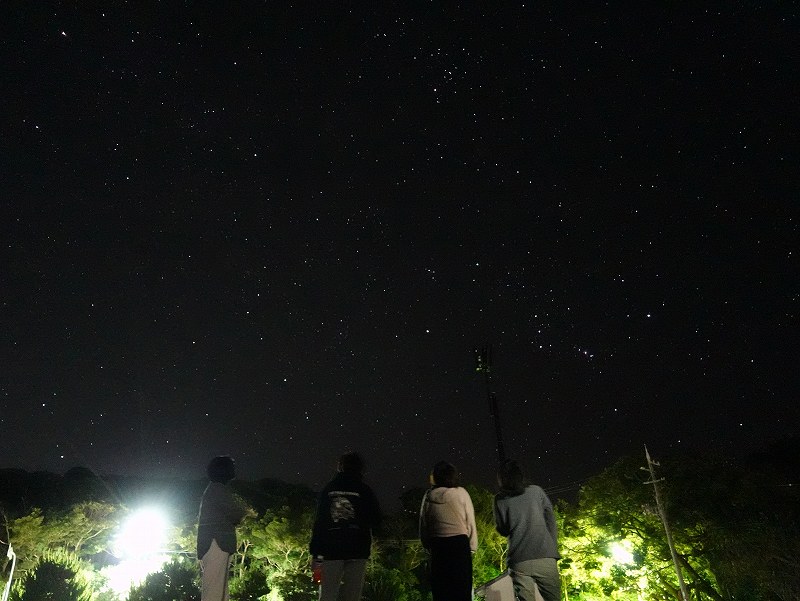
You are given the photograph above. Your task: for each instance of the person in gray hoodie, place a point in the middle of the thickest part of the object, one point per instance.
(524, 514)
(447, 530)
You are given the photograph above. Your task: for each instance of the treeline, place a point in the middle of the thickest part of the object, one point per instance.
(735, 524)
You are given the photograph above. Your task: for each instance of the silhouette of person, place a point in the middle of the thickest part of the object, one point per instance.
(347, 513)
(447, 530)
(220, 512)
(524, 514)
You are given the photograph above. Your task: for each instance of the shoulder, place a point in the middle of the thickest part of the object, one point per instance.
(216, 489)
(461, 493)
(367, 491)
(535, 490)
(535, 494)
(503, 498)
(507, 495)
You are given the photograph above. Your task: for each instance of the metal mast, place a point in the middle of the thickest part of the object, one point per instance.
(483, 359)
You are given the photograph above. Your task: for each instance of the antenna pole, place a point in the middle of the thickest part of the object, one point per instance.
(483, 359)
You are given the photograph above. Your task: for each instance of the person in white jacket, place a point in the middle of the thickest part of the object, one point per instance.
(447, 530)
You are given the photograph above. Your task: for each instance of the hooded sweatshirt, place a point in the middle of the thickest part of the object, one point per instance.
(528, 520)
(347, 512)
(447, 512)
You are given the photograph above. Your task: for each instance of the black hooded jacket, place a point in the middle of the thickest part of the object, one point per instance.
(347, 512)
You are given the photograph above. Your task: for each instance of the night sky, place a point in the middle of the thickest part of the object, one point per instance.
(279, 231)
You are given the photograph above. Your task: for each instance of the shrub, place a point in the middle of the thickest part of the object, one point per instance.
(387, 584)
(56, 576)
(177, 581)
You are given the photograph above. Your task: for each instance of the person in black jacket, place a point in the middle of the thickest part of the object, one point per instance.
(347, 512)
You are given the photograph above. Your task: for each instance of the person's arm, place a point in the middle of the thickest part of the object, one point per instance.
(242, 510)
(424, 538)
(231, 506)
(550, 517)
(471, 527)
(376, 517)
(315, 546)
(501, 520)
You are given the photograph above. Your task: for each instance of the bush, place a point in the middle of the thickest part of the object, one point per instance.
(387, 584)
(56, 576)
(294, 586)
(250, 586)
(178, 580)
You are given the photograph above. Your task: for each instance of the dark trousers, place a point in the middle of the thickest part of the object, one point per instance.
(451, 568)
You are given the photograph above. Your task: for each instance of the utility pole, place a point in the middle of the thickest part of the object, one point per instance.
(483, 360)
(663, 515)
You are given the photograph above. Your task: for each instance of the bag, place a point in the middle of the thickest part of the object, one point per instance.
(316, 571)
(497, 589)
(501, 589)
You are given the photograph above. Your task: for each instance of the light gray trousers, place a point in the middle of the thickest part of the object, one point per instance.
(342, 579)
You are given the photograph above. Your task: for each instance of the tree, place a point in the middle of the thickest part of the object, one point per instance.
(489, 560)
(56, 576)
(178, 580)
(736, 531)
(85, 527)
(277, 545)
(31, 537)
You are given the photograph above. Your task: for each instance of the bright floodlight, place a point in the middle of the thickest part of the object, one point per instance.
(140, 547)
(143, 534)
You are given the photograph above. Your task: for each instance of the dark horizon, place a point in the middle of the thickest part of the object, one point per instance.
(782, 457)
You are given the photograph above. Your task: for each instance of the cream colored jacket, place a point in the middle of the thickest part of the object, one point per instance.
(447, 512)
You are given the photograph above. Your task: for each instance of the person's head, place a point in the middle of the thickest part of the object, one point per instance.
(351, 464)
(444, 474)
(221, 469)
(510, 477)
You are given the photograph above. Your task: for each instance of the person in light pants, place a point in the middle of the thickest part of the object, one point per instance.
(349, 573)
(220, 512)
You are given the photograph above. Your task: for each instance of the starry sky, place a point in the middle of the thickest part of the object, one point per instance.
(279, 231)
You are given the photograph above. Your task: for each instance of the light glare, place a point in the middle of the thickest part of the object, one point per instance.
(140, 547)
(144, 534)
(621, 552)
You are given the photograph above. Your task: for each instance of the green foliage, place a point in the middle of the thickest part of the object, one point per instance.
(56, 576)
(293, 586)
(733, 541)
(736, 528)
(275, 546)
(28, 535)
(251, 585)
(178, 580)
(618, 508)
(390, 584)
(488, 560)
(85, 527)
